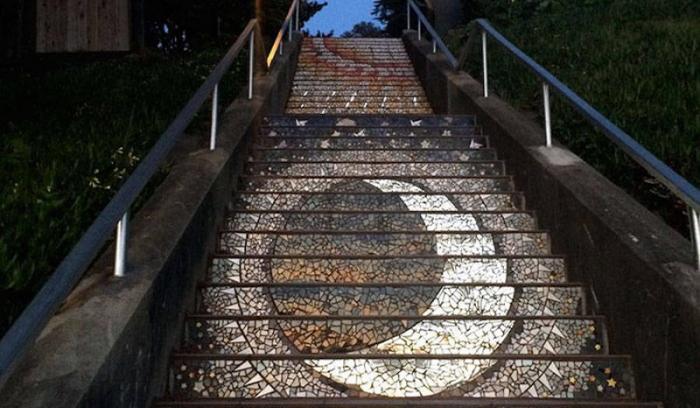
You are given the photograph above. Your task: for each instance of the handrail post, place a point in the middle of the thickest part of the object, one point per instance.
(214, 116)
(120, 249)
(695, 235)
(434, 47)
(298, 25)
(408, 14)
(484, 53)
(420, 29)
(251, 64)
(547, 114)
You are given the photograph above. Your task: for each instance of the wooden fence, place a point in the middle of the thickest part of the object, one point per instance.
(83, 26)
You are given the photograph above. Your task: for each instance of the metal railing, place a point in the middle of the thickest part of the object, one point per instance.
(423, 23)
(286, 28)
(25, 330)
(678, 185)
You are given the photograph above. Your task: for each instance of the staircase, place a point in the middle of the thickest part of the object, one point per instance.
(379, 255)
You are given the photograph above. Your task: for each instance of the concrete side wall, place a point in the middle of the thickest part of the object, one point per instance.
(639, 270)
(109, 345)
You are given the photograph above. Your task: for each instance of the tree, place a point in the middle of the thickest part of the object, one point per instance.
(17, 30)
(176, 26)
(393, 14)
(365, 29)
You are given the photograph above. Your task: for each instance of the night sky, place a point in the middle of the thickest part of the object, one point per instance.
(341, 15)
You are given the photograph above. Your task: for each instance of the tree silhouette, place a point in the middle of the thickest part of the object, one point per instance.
(365, 29)
(177, 26)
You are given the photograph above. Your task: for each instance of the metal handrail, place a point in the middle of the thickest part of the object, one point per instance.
(25, 330)
(423, 22)
(678, 185)
(279, 39)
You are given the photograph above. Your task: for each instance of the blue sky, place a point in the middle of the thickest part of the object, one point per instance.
(341, 15)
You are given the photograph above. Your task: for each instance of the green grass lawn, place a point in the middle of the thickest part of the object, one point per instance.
(636, 61)
(69, 137)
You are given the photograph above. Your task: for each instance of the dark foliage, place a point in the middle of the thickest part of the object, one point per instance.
(392, 13)
(634, 60)
(72, 132)
(365, 29)
(177, 26)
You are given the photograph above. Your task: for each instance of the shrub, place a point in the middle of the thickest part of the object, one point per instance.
(634, 60)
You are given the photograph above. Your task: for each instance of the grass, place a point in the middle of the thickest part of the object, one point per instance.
(69, 137)
(635, 61)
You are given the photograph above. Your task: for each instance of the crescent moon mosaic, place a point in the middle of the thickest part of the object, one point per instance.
(426, 328)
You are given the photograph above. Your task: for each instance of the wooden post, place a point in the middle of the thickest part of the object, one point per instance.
(84, 26)
(138, 20)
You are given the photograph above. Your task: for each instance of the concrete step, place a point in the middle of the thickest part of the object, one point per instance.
(387, 243)
(374, 99)
(440, 402)
(475, 201)
(358, 75)
(392, 298)
(375, 221)
(308, 69)
(378, 184)
(322, 334)
(293, 376)
(358, 169)
(364, 67)
(360, 88)
(381, 269)
(370, 121)
(340, 110)
(369, 132)
(379, 143)
(340, 79)
(357, 106)
(358, 57)
(360, 103)
(322, 95)
(386, 156)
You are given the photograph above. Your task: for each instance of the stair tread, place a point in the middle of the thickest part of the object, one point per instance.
(462, 169)
(369, 402)
(376, 269)
(560, 378)
(417, 120)
(373, 222)
(389, 243)
(382, 300)
(379, 143)
(368, 184)
(378, 255)
(385, 156)
(490, 200)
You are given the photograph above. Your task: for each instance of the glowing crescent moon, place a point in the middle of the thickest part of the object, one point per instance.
(437, 337)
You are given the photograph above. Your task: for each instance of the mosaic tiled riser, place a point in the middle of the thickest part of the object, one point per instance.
(360, 77)
(375, 256)
(354, 376)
